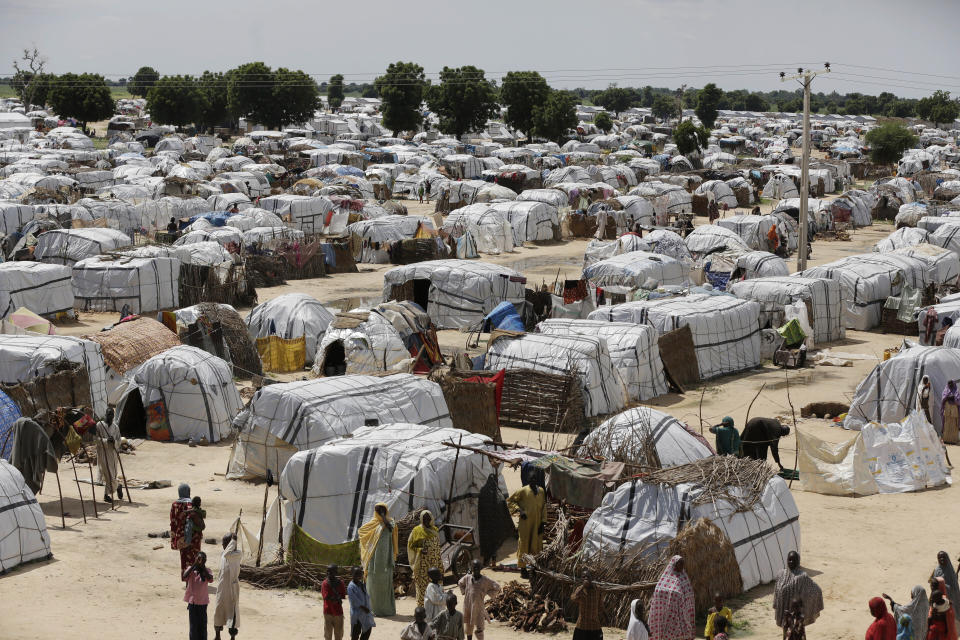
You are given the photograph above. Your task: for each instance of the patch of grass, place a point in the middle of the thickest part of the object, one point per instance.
(6, 91)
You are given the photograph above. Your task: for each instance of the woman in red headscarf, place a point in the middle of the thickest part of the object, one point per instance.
(884, 627)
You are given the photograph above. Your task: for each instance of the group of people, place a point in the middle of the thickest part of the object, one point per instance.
(922, 618)
(759, 435)
(949, 407)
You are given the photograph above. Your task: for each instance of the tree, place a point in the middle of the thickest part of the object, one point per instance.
(555, 116)
(664, 106)
(30, 82)
(708, 101)
(335, 91)
(143, 80)
(900, 109)
(755, 102)
(464, 100)
(938, 108)
(369, 91)
(273, 99)
(888, 142)
(212, 90)
(85, 97)
(175, 100)
(296, 99)
(401, 91)
(522, 92)
(689, 137)
(603, 121)
(614, 99)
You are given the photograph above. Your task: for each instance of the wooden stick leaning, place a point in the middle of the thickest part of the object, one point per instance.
(122, 474)
(83, 508)
(93, 489)
(63, 522)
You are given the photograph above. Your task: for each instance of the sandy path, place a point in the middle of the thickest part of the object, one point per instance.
(109, 581)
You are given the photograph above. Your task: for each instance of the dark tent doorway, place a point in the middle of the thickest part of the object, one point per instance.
(133, 418)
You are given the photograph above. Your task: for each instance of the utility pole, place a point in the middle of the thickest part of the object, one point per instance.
(806, 77)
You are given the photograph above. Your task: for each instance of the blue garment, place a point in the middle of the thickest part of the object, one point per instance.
(358, 596)
(329, 255)
(904, 628)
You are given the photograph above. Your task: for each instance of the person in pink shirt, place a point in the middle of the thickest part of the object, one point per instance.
(197, 596)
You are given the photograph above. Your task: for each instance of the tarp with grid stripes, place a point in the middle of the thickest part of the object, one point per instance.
(331, 490)
(603, 389)
(773, 294)
(26, 357)
(68, 246)
(531, 221)
(633, 269)
(726, 330)
(759, 264)
(633, 349)
(294, 416)
(636, 514)
(292, 315)
(9, 412)
(709, 238)
(23, 530)
(751, 229)
(623, 437)
(101, 283)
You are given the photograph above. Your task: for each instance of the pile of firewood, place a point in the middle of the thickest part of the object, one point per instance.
(526, 611)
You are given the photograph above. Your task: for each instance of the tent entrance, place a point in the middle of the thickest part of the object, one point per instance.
(133, 417)
(335, 359)
(421, 292)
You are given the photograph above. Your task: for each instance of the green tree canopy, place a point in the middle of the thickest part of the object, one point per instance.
(85, 97)
(464, 100)
(756, 102)
(708, 102)
(250, 90)
(296, 98)
(522, 92)
(614, 99)
(335, 91)
(603, 122)
(888, 142)
(212, 87)
(32, 88)
(175, 100)
(664, 106)
(142, 81)
(401, 91)
(555, 116)
(938, 108)
(271, 98)
(689, 137)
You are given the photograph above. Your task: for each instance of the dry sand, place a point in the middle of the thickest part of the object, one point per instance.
(109, 580)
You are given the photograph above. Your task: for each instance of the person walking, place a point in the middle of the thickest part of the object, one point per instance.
(333, 592)
(794, 583)
(227, 612)
(945, 572)
(378, 554)
(420, 192)
(475, 587)
(589, 610)
(916, 610)
(529, 503)
(108, 456)
(178, 524)
(950, 414)
(423, 552)
(361, 617)
(883, 627)
(197, 596)
(672, 607)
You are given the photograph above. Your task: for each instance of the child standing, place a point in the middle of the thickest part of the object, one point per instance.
(197, 596)
(717, 611)
(433, 597)
(793, 625)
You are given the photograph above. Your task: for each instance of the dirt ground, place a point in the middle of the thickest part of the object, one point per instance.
(108, 579)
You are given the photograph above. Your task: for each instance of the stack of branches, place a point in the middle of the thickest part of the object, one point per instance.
(292, 574)
(243, 351)
(558, 570)
(266, 270)
(739, 481)
(526, 611)
(202, 283)
(637, 447)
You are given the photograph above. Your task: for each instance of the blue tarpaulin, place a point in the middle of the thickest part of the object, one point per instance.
(504, 316)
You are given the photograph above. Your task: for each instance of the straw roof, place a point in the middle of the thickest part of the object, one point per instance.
(131, 343)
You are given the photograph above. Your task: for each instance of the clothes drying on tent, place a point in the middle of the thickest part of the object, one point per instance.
(284, 418)
(23, 529)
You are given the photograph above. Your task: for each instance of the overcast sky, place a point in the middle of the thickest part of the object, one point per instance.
(909, 48)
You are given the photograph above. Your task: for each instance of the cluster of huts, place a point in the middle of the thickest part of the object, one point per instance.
(177, 232)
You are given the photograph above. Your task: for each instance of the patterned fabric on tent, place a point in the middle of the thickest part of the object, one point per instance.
(9, 412)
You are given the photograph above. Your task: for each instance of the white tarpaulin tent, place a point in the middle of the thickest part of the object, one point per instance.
(490, 228)
(598, 250)
(821, 297)
(195, 387)
(26, 357)
(889, 392)
(456, 294)
(365, 341)
(289, 316)
(902, 237)
(42, 288)
(721, 191)
(761, 264)
(14, 215)
(587, 356)
(637, 514)
(68, 246)
(943, 265)
(310, 214)
(331, 490)
(625, 435)
(867, 280)
(531, 221)
(895, 457)
(708, 238)
(726, 330)
(23, 529)
(376, 235)
(633, 349)
(752, 230)
(634, 269)
(104, 283)
(296, 416)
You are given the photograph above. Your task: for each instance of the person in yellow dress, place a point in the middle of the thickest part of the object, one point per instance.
(529, 503)
(423, 552)
(378, 553)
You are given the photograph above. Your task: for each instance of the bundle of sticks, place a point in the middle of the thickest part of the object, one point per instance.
(739, 481)
(525, 611)
(290, 575)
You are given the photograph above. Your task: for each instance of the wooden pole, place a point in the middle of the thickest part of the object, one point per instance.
(750, 406)
(63, 522)
(263, 518)
(93, 488)
(453, 476)
(83, 508)
(796, 434)
(123, 475)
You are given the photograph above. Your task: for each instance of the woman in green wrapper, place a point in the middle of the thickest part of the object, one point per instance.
(378, 553)
(423, 552)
